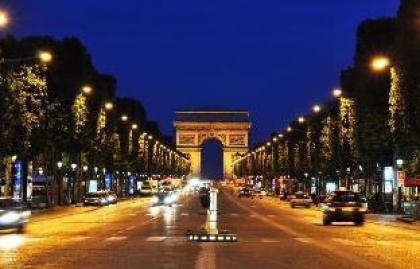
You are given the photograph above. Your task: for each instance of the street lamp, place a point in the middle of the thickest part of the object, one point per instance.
(124, 117)
(301, 119)
(316, 108)
(109, 105)
(4, 19)
(73, 168)
(45, 56)
(86, 89)
(60, 182)
(289, 129)
(134, 126)
(337, 92)
(379, 63)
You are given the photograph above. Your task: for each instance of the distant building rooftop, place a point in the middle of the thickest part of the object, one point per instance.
(212, 115)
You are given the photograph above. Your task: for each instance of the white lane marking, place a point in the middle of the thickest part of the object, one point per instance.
(115, 238)
(175, 239)
(271, 216)
(357, 260)
(155, 238)
(234, 214)
(132, 214)
(343, 241)
(130, 228)
(185, 214)
(303, 240)
(79, 238)
(268, 240)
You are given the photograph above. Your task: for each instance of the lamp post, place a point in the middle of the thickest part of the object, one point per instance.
(379, 64)
(73, 182)
(60, 181)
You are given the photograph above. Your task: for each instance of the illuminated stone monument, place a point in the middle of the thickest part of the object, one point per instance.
(194, 127)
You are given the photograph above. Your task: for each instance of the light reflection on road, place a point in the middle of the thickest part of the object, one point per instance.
(11, 242)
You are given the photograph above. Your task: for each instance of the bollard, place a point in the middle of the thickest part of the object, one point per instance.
(211, 232)
(211, 225)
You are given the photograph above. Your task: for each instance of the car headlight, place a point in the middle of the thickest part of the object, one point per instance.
(168, 200)
(329, 209)
(155, 199)
(10, 217)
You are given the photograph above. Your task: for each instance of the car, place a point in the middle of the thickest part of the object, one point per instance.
(147, 189)
(96, 199)
(258, 193)
(111, 197)
(164, 199)
(300, 199)
(343, 206)
(246, 192)
(13, 214)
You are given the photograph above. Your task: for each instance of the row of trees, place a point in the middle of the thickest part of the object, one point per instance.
(373, 119)
(67, 113)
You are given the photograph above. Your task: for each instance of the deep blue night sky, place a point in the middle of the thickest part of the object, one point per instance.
(273, 57)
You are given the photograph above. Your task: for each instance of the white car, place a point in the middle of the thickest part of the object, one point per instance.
(258, 193)
(300, 199)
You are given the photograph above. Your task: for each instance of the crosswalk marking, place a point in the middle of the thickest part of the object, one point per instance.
(155, 238)
(303, 240)
(79, 238)
(115, 238)
(131, 228)
(269, 240)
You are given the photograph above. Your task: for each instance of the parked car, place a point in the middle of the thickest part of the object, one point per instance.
(246, 192)
(300, 199)
(96, 199)
(258, 193)
(111, 197)
(13, 214)
(146, 189)
(344, 206)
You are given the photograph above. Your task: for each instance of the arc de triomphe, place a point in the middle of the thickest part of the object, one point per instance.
(194, 127)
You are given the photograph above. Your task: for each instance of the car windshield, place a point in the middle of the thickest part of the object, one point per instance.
(93, 195)
(8, 203)
(345, 197)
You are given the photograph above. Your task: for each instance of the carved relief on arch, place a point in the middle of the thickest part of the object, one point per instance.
(202, 137)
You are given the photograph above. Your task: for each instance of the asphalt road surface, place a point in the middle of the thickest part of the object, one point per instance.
(134, 235)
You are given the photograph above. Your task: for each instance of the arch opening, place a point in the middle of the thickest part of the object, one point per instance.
(212, 159)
